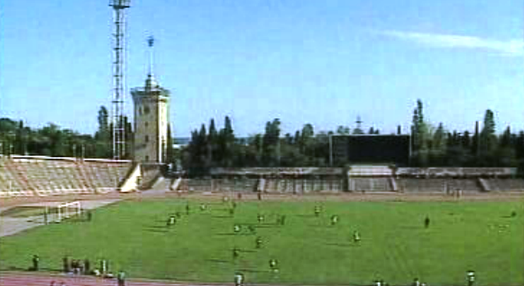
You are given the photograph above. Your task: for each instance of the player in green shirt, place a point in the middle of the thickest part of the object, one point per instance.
(239, 279)
(273, 264)
(317, 211)
(471, 277)
(236, 253)
(356, 236)
(334, 219)
(258, 242)
(121, 277)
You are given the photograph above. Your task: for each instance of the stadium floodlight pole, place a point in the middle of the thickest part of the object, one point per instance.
(119, 90)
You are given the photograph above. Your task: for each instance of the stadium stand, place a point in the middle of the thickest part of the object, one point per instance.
(505, 184)
(409, 185)
(369, 184)
(25, 176)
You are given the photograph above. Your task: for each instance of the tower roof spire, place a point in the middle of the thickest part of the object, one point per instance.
(150, 81)
(150, 43)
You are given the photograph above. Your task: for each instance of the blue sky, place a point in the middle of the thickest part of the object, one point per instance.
(303, 61)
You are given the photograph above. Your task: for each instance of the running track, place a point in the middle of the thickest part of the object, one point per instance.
(24, 279)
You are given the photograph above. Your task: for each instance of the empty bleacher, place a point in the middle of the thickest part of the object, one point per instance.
(43, 176)
(369, 184)
(505, 184)
(239, 185)
(409, 185)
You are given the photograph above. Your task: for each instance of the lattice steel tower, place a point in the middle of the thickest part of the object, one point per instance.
(119, 84)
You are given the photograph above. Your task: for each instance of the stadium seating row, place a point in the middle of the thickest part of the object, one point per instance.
(44, 177)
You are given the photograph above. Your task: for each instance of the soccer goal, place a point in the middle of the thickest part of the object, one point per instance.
(68, 210)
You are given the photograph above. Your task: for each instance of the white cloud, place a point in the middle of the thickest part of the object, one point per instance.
(508, 48)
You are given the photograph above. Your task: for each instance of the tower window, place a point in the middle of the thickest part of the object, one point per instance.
(146, 124)
(146, 109)
(147, 138)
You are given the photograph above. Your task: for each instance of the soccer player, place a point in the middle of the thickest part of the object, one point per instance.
(239, 279)
(282, 220)
(426, 222)
(334, 219)
(317, 211)
(121, 277)
(236, 228)
(416, 282)
(231, 211)
(203, 207)
(471, 277)
(89, 215)
(236, 253)
(36, 261)
(258, 242)
(103, 266)
(273, 264)
(87, 266)
(187, 208)
(259, 195)
(260, 218)
(66, 265)
(171, 221)
(356, 236)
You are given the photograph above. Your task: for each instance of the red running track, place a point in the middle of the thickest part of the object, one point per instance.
(23, 279)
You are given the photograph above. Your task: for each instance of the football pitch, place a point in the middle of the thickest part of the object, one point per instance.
(395, 246)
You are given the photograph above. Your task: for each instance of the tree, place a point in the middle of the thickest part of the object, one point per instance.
(227, 144)
(343, 130)
(212, 147)
(271, 144)
(419, 135)
(488, 139)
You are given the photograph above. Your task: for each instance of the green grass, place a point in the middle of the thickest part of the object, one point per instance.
(394, 247)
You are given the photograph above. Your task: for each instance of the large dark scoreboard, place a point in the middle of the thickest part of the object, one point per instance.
(364, 149)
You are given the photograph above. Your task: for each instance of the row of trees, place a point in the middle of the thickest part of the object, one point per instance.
(436, 146)
(212, 147)
(430, 145)
(51, 140)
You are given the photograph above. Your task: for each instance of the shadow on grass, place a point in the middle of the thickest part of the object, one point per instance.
(266, 225)
(307, 215)
(218, 260)
(157, 229)
(342, 244)
(222, 216)
(15, 268)
(247, 250)
(253, 270)
(411, 227)
(226, 233)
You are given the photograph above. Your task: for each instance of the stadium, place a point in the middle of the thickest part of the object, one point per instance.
(313, 209)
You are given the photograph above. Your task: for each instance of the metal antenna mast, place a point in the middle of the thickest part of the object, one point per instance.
(119, 60)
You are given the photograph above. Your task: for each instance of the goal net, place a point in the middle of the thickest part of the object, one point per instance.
(65, 211)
